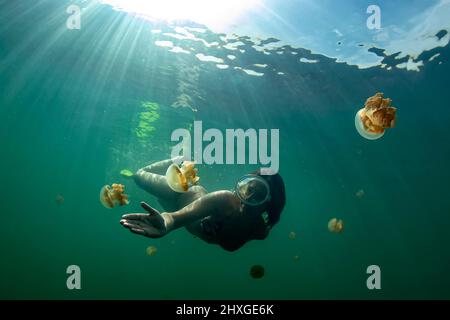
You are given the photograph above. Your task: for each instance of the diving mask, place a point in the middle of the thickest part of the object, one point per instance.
(252, 190)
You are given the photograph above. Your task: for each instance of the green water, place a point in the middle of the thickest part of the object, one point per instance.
(72, 102)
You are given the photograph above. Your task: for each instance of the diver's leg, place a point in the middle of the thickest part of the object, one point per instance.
(152, 179)
(161, 167)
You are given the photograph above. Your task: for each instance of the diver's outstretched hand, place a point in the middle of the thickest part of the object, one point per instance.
(152, 225)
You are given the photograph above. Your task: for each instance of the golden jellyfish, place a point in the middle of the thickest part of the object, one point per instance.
(110, 196)
(126, 173)
(59, 199)
(376, 116)
(360, 193)
(151, 250)
(292, 235)
(181, 178)
(335, 225)
(257, 272)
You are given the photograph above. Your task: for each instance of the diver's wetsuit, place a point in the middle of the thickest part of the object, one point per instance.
(230, 229)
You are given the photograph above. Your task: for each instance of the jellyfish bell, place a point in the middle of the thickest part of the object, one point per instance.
(175, 179)
(339, 226)
(110, 196)
(365, 133)
(151, 250)
(105, 197)
(126, 173)
(335, 225)
(181, 178)
(332, 224)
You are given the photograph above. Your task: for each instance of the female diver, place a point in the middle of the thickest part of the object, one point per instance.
(229, 219)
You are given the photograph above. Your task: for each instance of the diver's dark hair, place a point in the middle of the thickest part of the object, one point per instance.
(277, 196)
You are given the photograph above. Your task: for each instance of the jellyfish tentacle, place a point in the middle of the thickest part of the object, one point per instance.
(181, 178)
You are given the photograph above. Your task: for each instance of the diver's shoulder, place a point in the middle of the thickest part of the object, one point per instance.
(224, 193)
(227, 195)
(230, 203)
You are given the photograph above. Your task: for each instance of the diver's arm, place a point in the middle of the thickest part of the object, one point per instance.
(212, 204)
(156, 224)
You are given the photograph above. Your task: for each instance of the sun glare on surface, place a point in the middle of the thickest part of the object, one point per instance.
(215, 14)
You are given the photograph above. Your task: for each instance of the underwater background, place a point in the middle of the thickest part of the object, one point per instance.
(78, 106)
